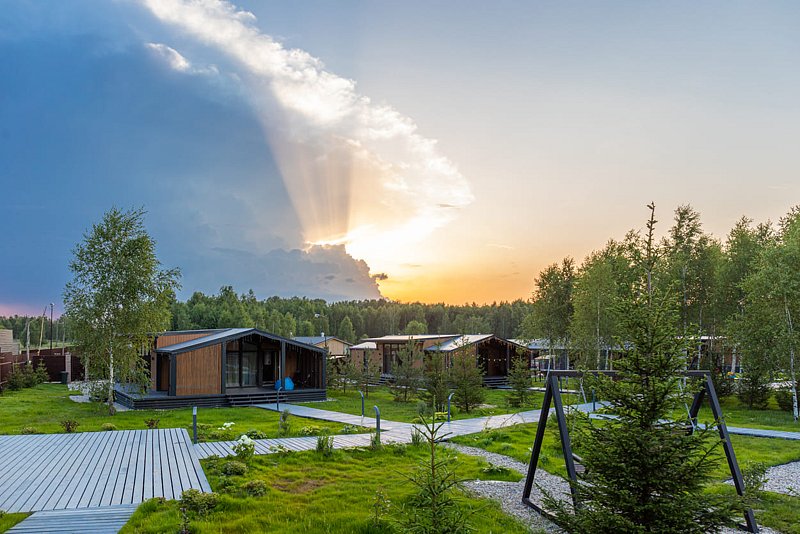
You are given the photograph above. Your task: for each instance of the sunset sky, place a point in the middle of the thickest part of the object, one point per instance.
(434, 151)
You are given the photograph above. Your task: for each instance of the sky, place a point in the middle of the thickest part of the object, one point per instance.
(431, 151)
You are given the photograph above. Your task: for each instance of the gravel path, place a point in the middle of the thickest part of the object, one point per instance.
(784, 479)
(509, 494)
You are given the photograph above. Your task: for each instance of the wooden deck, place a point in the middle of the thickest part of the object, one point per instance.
(96, 469)
(84, 521)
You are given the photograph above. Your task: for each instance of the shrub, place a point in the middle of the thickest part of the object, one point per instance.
(41, 375)
(492, 469)
(98, 391)
(256, 434)
(284, 423)
(29, 376)
(280, 450)
(754, 475)
(234, 468)
(255, 488)
(380, 506)
(152, 423)
(325, 446)
(244, 448)
(108, 426)
(349, 429)
(16, 380)
(199, 502)
(416, 437)
(29, 430)
(69, 425)
(311, 430)
(374, 440)
(783, 396)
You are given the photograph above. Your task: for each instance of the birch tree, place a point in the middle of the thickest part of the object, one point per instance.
(118, 298)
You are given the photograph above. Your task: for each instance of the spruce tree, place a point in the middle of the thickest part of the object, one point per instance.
(466, 378)
(519, 378)
(644, 472)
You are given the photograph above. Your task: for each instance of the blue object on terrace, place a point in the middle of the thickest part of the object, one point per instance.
(288, 384)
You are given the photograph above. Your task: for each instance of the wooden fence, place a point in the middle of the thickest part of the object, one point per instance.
(55, 362)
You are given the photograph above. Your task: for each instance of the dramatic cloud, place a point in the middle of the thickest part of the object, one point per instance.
(176, 61)
(358, 173)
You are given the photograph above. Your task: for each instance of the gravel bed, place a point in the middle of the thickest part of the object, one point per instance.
(509, 494)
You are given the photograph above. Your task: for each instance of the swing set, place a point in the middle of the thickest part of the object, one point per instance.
(552, 395)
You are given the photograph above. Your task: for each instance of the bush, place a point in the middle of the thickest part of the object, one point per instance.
(255, 488)
(234, 468)
(29, 430)
(350, 429)
(98, 391)
(256, 434)
(783, 396)
(152, 423)
(284, 423)
(753, 389)
(754, 475)
(41, 375)
(69, 425)
(311, 430)
(108, 426)
(325, 446)
(198, 502)
(17, 379)
(492, 469)
(280, 450)
(244, 448)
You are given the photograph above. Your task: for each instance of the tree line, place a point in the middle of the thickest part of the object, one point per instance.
(348, 320)
(741, 294)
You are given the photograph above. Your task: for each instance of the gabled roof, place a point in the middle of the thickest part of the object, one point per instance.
(366, 345)
(467, 340)
(228, 334)
(409, 337)
(316, 340)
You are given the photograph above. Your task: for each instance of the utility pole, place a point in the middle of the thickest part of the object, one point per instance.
(51, 328)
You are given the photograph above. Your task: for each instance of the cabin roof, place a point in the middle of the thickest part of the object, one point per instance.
(314, 340)
(228, 334)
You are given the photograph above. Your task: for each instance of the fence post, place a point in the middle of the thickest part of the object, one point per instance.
(362, 403)
(194, 424)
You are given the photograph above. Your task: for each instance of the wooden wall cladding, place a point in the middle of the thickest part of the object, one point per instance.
(199, 372)
(172, 339)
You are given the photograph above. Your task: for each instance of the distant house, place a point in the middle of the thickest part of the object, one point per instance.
(337, 348)
(493, 354)
(232, 366)
(360, 352)
(7, 342)
(543, 356)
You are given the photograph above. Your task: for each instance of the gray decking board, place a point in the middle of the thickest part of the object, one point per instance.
(89, 520)
(97, 469)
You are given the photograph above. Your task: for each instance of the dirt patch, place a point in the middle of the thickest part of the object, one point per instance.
(298, 486)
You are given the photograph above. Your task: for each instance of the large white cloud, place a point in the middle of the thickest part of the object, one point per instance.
(357, 172)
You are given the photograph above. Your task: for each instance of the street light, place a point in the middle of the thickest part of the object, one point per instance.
(51, 328)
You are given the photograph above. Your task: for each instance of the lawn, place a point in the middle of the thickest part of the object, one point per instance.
(44, 407)
(9, 520)
(495, 403)
(306, 492)
(737, 414)
(779, 511)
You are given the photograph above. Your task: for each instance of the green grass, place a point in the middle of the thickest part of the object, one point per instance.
(496, 402)
(778, 511)
(46, 405)
(308, 493)
(737, 414)
(9, 520)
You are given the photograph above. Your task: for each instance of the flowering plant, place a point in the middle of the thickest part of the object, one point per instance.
(244, 448)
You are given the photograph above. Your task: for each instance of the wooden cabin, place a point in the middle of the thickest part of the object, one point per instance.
(233, 366)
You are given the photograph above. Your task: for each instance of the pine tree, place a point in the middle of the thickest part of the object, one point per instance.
(466, 378)
(519, 378)
(643, 472)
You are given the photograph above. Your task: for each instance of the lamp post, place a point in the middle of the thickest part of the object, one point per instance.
(51, 328)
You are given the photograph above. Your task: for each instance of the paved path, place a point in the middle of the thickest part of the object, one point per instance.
(84, 521)
(96, 469)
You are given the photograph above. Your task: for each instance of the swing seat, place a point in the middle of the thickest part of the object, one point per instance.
(580, 469)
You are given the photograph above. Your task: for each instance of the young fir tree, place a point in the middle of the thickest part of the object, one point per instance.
(519, 379)
(407, 373)
(435, 381)
(369, 371)
(466, 378)
(645, 473)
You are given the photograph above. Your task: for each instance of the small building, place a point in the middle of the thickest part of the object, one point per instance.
(493, 354)
(7, 342)
(337, 348)
(360, 352)
(229, 367)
